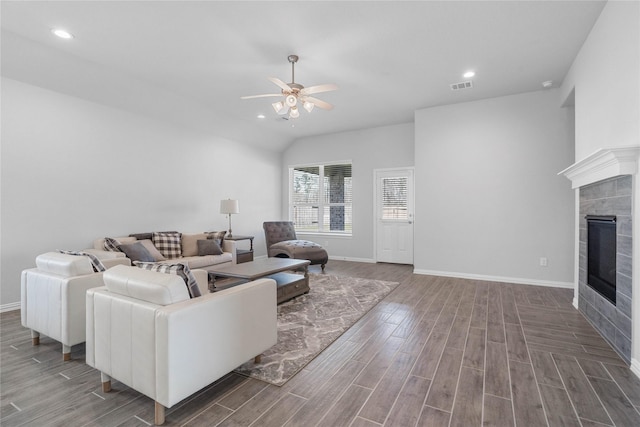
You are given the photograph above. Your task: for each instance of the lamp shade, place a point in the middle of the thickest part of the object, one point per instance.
(229, 206)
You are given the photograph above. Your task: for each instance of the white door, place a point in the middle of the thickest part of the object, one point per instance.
(394, 215)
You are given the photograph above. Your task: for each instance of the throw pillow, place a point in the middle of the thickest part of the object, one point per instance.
(189, 243)
(179, 269)
(155, 253)
(95, 262)
(208, 247)
(111, 244)
(169, 244)
(136, 252)
(218, 236)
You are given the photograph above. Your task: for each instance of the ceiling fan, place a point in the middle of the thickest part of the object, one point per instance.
(294, 94)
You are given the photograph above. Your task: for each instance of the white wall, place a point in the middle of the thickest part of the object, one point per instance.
(606, 78)
(370, 149)
(73, 171)
(489, 202)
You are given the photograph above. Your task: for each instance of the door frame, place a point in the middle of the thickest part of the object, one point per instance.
(375, 205)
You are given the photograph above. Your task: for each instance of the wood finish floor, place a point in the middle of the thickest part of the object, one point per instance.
(436, 352)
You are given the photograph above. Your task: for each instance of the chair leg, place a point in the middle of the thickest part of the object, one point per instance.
(322, 266)
(66, 353)
(257, 359)
(159, 414)
(106, 382)
(35, 337)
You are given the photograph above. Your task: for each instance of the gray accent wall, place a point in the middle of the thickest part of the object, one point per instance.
(609, 197)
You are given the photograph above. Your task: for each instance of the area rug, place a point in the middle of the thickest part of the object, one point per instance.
(309, 323)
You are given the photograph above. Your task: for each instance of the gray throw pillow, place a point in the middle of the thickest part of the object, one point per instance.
(136, 252)
(208, 247)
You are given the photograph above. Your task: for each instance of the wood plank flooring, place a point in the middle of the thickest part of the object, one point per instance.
(435, 352)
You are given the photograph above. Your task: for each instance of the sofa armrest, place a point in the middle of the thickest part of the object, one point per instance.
(232, 247)
(112, 262)
(201, 340)
(170, 352)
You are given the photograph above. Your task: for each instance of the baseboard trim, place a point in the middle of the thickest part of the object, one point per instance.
(346, 258)
(575, 303)
(635, 367)
(517, 280)
(10, 307)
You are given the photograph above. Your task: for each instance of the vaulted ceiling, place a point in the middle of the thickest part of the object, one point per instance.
(190, 62)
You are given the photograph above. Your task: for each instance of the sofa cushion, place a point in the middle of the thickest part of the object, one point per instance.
(179, 269)
(169, 244)
(157, 288)
(136, 252)
(208, 247)
(189, 243)
(100, 245)
(299, 249)
(96, 264)
(202, 261)
(155, 253)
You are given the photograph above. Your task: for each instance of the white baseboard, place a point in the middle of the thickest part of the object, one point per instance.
(635, 367)
(575, 303)
(517, 280)
(10, 307)
(346, 258)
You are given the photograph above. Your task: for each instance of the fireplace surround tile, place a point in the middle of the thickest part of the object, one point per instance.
(612, 196)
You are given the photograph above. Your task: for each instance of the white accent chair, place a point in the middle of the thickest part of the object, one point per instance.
(53, 297)
(144, 331)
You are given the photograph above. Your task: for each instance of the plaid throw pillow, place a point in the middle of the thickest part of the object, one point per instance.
(218, 236)
(181, 270)
(169, 244)
(95, 262)
(111, 244)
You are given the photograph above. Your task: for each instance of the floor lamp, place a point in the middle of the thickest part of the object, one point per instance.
(229, 207)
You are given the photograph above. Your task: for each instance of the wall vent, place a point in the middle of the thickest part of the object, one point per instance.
(462, 85)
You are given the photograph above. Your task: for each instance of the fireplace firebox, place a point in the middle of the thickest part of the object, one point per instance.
(601, 255)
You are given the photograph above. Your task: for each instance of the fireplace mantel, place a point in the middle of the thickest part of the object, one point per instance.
(603, 164)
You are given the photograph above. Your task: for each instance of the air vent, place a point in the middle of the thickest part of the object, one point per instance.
(462, 85)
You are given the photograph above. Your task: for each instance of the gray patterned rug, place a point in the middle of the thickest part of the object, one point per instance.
(309, 323)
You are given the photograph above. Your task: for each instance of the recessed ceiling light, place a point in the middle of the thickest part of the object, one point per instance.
(261, 116)
(469, 74)
(63, 34)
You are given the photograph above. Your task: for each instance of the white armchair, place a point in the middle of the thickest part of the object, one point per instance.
(144, 331)
(53, 297)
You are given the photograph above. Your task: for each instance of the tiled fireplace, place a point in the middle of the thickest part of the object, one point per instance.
(605, 184)
(609, 198)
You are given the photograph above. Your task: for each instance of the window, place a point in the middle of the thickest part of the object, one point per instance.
(320, 199)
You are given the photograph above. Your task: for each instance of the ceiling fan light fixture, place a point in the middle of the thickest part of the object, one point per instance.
(308, 106)
(294, 113)
(291, 100)
(278, 106)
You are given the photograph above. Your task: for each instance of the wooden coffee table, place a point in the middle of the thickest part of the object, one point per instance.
(290, 285)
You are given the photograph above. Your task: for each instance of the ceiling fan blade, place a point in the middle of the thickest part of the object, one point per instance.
(319, 88)
(319, 103)
(282, 85)
(261, 96)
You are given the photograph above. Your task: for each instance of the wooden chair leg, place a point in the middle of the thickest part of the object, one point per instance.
(106, 382)
(257, 359)
(35, 337)
(66, 357)
(159, 414)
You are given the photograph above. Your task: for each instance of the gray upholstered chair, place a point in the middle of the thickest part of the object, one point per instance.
(282, 242)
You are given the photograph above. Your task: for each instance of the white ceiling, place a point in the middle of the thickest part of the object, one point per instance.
(189, 62)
